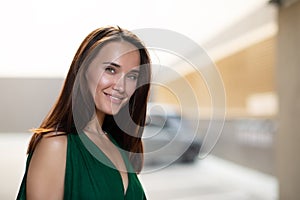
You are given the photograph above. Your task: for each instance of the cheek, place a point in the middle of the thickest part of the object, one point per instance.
(130, 88)
(96, 81)
(103, 83)
(92, 83)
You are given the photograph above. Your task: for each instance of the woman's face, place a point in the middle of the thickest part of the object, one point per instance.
(112, 76)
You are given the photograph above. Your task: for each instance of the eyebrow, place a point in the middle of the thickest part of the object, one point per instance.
(113, 64)
(119, 66)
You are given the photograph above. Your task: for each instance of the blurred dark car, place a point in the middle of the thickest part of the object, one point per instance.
(168, 138)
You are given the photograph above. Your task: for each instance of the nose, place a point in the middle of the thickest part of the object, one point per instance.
(119, 84)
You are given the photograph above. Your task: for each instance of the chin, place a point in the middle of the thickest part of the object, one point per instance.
(115, 110)
(112, 109)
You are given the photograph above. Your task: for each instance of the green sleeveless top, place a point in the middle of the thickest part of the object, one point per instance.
(90, 174)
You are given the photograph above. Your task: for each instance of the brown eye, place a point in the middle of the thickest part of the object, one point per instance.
(110, 70)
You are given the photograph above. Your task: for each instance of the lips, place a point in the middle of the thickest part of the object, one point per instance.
(115, 98)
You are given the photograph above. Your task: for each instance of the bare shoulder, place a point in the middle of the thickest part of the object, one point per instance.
(53, 142)
(50, 145)
(46, 170)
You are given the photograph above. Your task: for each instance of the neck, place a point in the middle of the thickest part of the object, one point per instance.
(95, 125)
(100, 117)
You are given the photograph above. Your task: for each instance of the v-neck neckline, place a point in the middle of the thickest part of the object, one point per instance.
(93, 149)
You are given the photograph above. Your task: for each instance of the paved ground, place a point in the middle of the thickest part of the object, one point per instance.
(208, 179)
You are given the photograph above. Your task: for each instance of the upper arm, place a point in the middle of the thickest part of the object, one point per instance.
(46, 172)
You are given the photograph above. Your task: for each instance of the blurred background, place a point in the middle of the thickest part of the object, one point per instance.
(254, 46)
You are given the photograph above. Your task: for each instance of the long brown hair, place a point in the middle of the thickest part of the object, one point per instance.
(75, 97)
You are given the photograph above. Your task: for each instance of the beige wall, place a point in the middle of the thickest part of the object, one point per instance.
(188, 91)
(245, 73)
(288, 71)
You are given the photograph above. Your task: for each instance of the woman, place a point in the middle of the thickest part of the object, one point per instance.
(89, 145)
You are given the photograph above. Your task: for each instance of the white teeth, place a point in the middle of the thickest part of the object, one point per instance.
(116, 98)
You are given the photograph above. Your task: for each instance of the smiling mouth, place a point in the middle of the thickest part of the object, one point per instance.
(115, 99)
